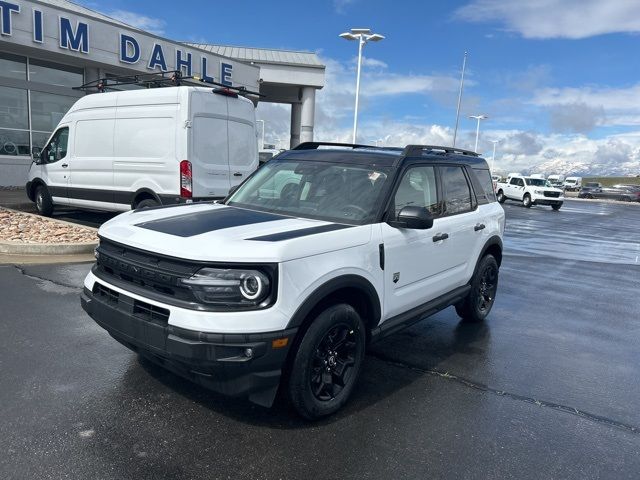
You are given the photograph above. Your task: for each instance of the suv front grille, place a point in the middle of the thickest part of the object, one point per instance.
(144, 271)
(551, 194)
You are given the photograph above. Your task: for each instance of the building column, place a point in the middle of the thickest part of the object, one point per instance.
(296, 115)
(307, 114)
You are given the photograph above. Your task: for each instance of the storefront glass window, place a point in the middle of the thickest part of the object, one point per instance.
(14, 142)
(48, 109)
(13, 108)
(13, 66)
(55, 74)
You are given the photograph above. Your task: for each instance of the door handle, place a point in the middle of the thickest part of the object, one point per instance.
(478, 227)
(64, 165)
(237, 174)
(440, 236)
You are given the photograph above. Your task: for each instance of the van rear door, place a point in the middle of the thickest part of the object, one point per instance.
(243, 142)
(209, 145)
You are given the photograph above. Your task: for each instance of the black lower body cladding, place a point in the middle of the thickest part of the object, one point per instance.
(239, 365)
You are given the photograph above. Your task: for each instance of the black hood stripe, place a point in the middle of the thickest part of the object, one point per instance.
(303, 232)
(192, 224)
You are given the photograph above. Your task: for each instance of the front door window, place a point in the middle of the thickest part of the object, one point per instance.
(56, 149)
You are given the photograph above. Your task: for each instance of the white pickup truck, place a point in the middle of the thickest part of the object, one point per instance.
(530, 191)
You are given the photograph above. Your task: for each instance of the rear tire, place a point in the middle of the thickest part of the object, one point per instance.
(484, 286)
(44, 203)
(501, 197)
(147, 203)
(327, 363)
(526, 200)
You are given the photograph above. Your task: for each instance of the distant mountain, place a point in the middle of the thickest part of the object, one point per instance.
(587, 169)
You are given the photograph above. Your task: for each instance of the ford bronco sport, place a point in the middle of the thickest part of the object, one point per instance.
(316, 255)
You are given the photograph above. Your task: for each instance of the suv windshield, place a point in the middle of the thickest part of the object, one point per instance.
(335, 192)
(536, 182)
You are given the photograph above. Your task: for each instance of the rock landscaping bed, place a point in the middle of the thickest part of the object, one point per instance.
(24, 228)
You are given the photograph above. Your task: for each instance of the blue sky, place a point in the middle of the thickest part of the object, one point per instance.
(558, 78)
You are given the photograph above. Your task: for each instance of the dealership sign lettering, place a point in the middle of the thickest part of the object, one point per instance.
(75, 35)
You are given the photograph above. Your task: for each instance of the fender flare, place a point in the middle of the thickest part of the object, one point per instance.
(338, 283)
(494, 240)
(147, 191)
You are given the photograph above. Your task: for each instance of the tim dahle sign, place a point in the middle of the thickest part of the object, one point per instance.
(74, 34)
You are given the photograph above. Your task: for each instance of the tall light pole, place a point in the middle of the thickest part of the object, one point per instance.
(478, 118)
(493, 157)
(363, 35)
(262, 135)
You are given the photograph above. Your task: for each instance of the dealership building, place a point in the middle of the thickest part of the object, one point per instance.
(48, 48)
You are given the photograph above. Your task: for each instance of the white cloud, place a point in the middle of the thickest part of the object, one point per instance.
(340, 6)
(556, 18)
(579, 109)
(143, 22)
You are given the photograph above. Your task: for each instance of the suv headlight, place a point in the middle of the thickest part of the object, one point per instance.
(229, 287)
(538, 192)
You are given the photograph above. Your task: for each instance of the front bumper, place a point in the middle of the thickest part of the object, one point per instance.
(219, 362)
(548, 201)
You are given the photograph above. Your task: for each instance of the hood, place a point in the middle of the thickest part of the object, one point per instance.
(218, 233)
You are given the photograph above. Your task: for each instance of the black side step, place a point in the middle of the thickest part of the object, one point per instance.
(410, 317)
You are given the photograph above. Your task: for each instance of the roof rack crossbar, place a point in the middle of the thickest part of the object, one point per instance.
(158, 79)
(417, 150)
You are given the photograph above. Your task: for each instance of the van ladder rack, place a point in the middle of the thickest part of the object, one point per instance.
(173, 78)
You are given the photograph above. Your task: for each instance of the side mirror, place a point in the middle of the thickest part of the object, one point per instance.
(417, 218)
(37, 155)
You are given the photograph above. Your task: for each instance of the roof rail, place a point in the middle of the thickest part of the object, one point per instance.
(172, 78)
(315, 145)
(417, 150)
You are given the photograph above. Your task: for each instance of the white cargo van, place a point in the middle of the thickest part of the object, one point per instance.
(573, 183)
(140, 148)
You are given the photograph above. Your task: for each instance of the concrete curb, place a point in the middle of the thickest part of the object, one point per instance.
(19, 248)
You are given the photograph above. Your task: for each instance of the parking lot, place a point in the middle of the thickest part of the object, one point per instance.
(547, 388)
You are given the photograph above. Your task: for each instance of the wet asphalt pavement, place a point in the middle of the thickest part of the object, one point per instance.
(548, 387)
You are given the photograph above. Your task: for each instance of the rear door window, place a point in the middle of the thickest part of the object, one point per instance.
(457, 193)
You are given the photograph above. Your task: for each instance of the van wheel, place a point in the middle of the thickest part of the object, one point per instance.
(327, 363)
(44, 203)
(526, 201)
(484, 286)
(147, 203)
(501, 197)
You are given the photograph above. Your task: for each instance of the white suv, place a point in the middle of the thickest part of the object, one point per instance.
(284, 284)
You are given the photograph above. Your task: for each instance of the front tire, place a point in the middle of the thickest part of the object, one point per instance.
(482, 295)
(501, 197)
(556, 207)
(526, 200)
(327, 363)
(44, 203)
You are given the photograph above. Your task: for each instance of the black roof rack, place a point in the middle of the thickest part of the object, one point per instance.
(173, 78)
(417, 150)
(315, 145)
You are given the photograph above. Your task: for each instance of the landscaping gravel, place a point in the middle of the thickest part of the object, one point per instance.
(26, 228)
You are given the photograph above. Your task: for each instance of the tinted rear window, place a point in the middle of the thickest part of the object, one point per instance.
(487, 183)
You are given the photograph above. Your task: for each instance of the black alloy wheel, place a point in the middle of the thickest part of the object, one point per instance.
(333, 362)
(487, 288)
(484, 286)
(327, 362)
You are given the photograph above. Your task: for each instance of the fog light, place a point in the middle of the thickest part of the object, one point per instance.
(248, 352)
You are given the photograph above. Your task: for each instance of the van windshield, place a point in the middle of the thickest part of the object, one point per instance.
(337, 192)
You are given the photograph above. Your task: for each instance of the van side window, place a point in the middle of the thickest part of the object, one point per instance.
(418, 188)
(56, 149)
(457, 194)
